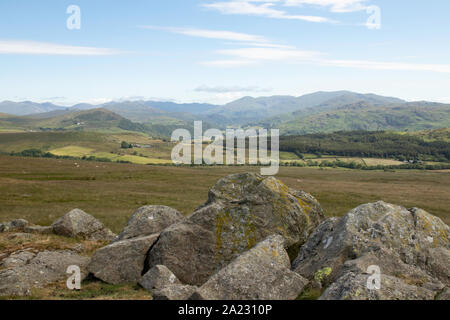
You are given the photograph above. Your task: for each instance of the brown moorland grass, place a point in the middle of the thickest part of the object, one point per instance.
(41, 190)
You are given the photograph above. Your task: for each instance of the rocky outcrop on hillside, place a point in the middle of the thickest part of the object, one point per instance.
(254, 238)
(122, 261)
(79, 224)
(409, 248)
(149, 220)
(242, 210)
(262, 273)
(25, 270)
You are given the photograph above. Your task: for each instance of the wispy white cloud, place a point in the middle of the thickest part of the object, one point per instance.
(264, 8)
(338, 6)
(213, 34)
(252, 56)
(43, 48)
(392, 66)
(232, 89)
(274, 54)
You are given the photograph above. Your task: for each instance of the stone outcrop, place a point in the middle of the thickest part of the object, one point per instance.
(410, 247)
(17, 225)
(157, 278)
(149, 220)
(262, 273)
(241, 211)
(79, 224)
(26, 270)
(123, 261)
(164, 285)
(174, 292)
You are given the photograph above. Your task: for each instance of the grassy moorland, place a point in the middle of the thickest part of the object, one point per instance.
(41, 190)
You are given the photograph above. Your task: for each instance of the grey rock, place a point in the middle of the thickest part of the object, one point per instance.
(149, 220)
(352, 286)
(44, 268)
(262, 273)
(20, 236)
(78, 224)
(38, 230)
(444, 295)
(158, 277)
(242, 210)
(123, 261)
(17, 225)
(174, 292)
(17, 259)
(411, 247)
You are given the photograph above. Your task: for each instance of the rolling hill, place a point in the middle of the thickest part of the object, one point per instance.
(27, 107)
(311, 113)
(90, 120)
(363, 116)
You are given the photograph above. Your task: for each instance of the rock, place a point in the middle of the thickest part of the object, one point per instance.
(150, 220)
(18, 259)
(262, 273)
(411, 249)
(174, 292)
(444, 295)
(242, 210)
(353, 286)
(158, 277)
(123, 261)
(20, 237)
(17, 225)
(38, 230)
(44, 268)
(78, 224)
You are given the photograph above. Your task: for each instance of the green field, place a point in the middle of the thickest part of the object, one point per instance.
(41, 190)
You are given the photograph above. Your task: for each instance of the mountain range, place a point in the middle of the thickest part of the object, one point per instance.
(311, 113)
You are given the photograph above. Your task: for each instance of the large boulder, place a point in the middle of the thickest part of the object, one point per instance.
(410, 248)
(164, 285)
(123, 261)
(242, 210)
(149, 220)
(158, 277)
(262, 273)
(79, 224)
(25, 270)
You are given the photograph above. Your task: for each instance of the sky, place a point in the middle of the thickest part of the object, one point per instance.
(216, 51)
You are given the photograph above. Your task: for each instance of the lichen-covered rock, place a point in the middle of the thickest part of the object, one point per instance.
(123, 261)
(353, 286)
(158, 277)
(262, 273)
(79, 224)
(34, 271)
(444, 295)
(38, 229)
(174, 292)
(17, 225)
(18, 259)
(411, 247)
(149, 220)
(242, 210)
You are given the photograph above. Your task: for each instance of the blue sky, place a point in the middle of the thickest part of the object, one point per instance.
(220, 50)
